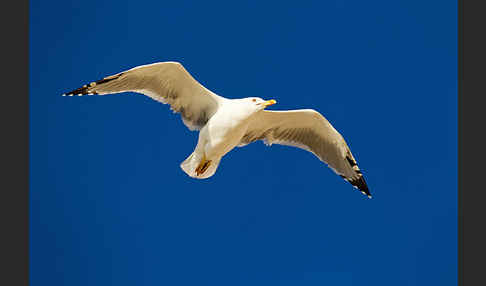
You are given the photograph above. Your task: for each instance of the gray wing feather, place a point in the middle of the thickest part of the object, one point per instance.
(309, 130)
(166, 82)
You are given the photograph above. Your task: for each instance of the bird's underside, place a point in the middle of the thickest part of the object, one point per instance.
(170, 83)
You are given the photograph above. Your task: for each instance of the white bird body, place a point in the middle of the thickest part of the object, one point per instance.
(226, 123)
(223, 132)
(225, 129)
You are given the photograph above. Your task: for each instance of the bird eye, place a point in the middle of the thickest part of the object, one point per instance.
(254, 100)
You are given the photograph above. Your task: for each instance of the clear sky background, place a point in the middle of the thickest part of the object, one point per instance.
(110, 205)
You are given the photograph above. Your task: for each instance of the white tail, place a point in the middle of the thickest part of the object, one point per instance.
(190, 164)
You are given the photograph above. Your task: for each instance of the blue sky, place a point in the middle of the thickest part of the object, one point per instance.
(109, 204)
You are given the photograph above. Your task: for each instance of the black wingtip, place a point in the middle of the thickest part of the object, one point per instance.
(80, 91)
(88, 88)
(361, 185)
(360, 182)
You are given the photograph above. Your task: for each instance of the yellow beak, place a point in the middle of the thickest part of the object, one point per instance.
(269, 102)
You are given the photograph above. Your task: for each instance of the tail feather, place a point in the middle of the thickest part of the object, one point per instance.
(190, 164)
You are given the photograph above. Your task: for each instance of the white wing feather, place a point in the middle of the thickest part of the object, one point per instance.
(166, 82)
(309, 130)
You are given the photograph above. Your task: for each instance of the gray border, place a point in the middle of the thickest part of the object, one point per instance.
(471, 94)
(14, 118)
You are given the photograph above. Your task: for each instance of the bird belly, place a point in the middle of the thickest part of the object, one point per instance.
(222, 137)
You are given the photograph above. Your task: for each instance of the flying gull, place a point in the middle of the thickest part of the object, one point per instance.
(226, 123)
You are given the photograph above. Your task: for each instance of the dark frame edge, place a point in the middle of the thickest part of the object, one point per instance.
(14, 208)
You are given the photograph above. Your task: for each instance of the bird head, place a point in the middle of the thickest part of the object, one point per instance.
(258, 103)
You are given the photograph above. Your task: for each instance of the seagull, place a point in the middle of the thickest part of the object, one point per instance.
(224, 124)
